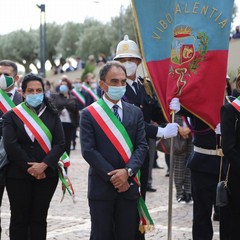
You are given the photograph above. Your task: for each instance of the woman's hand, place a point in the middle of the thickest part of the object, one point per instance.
(37, 169)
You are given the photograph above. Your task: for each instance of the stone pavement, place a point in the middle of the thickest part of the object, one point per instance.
(68, 221)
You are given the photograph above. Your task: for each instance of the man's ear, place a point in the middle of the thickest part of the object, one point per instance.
(101, 84)
(16, 78)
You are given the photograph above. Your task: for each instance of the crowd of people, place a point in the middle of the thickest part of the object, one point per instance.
(120, 121)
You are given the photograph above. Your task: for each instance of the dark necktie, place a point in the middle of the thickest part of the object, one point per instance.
(115, 111)
(135, 85)
(9, 94)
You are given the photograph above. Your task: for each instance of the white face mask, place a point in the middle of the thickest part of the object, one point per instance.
(94, 85)
(131, 68)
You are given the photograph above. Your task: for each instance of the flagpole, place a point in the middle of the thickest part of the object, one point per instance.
(170, 192)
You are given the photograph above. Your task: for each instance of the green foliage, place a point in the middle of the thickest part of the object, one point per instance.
(53, 36)
(67, 44)
(93, 40)
(202, 50)
(20, 46)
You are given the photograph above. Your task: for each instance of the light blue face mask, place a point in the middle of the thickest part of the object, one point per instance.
(78, 85)
(63, 89)
(116, 93)
(34, 100)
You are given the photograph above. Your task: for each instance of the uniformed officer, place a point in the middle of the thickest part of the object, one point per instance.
(139, 93)
(204, 164)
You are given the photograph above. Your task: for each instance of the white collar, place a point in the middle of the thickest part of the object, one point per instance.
(130, 82)
(110, 104)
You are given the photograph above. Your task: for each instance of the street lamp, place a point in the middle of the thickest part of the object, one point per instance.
(42, 39)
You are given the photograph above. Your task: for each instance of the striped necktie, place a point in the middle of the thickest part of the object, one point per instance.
(115, 111)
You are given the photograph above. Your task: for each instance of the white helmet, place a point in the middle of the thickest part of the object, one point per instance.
(127, 48)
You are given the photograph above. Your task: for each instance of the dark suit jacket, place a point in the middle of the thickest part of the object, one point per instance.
(149, 106)
(230, 129)
(103, 157)
(20, 149)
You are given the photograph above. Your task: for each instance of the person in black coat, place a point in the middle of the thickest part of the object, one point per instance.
(32, 174)
(7, 68)
(68, 109)
(230, 131)
(112, 191)
(204, 164)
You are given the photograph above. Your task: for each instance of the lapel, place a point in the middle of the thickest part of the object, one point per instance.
(17, 98)
(126, 114)
(130, 96)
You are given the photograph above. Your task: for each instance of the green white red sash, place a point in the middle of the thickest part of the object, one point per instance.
(120, 139)
(236, 103)
(44, 138)
(38, 129)
(79, 96)
(90, 91)
(6, 103)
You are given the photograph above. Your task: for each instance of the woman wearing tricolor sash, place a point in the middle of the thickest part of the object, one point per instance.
(34, 142)
(113, 143)
(230, 131)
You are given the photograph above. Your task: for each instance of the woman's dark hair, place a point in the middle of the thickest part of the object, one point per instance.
(33, 77)
(69, 84)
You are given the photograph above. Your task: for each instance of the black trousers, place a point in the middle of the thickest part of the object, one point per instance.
(29, 202)
(230, 215)
(68, 129)
(204, 197)
(144, 176)
(114, 219)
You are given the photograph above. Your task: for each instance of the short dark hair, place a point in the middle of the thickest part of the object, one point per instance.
(9, 63)
(69, 84)
(105, 69)
(31, 77)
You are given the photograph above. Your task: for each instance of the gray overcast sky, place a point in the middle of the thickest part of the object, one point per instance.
(24, 14)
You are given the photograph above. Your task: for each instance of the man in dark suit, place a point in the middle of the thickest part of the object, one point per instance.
(204, 164)
(7, 68)
(140, 93)
(112, 190)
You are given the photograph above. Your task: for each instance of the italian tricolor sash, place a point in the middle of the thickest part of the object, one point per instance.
(90, 91)
(38, 129)
(120, 139)
(79, 96)
(44, 138)
(6, 103)
(236, 103)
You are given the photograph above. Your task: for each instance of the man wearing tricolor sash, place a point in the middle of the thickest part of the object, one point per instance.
(34, 142)
(113, 143)
(9, 97)
(90, 85)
